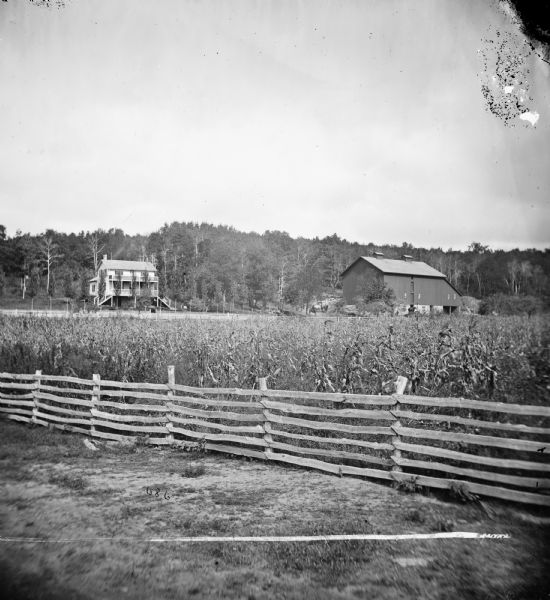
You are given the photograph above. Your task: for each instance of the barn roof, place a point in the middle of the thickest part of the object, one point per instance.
(391, 266)
(127, 265)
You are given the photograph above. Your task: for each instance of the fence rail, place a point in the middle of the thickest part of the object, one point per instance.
(438, 444)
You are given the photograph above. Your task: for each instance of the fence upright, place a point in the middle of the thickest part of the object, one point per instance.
(400, 385)
(35, 393)
(268, 438)
(96, 395)
(171, 384)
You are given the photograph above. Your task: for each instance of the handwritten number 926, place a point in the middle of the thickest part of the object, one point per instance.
(156, 493)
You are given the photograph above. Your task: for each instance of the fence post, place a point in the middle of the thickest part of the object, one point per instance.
(262, 384)
(96, 393)
(35, 392)
(171, 383)
(400, 385)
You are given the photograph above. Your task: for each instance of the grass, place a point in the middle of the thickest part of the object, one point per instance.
(234, 497)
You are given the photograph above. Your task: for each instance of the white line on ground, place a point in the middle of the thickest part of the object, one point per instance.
(273, 538)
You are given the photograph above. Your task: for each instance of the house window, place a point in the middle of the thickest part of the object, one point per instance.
(93, 287)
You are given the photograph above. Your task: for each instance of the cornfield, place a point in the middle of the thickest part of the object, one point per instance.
(498, 358)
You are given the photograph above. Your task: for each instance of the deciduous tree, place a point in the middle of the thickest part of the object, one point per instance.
(50, 253)
(95, 248)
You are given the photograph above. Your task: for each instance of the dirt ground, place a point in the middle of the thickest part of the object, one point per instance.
(55, 488)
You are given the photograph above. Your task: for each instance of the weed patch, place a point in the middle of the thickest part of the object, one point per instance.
(409, 485)
(415, 516)
(238, 497)
(460, 492)
(193, 471)
(69, 481)
(329, 563)
(127, 511)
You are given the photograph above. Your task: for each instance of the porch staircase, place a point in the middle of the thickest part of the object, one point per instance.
(166, 303)
(105, 300)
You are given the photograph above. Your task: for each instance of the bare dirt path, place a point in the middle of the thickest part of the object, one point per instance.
(55, 488)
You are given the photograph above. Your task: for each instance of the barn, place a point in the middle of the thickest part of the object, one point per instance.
(414, 283)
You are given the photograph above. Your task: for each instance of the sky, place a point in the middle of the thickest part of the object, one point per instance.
(363, 118)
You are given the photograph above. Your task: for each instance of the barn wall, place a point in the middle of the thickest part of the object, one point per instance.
(427, 290)
(401, 286)
(357, 275)
(436, 292)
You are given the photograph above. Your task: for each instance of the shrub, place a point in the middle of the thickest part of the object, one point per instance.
(197, 305)
(378, 307)
(503, 304)
(469, 304)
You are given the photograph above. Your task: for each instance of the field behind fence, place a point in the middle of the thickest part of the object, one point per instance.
(471, 447)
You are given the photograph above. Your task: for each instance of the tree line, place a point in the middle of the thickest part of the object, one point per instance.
(216, 267)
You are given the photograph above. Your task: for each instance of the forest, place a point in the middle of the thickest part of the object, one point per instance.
(216, 267)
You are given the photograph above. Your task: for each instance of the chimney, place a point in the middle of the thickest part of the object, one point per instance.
(104, 257)
(407, 257)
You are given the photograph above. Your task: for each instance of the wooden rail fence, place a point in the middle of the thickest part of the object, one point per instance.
(469, 446)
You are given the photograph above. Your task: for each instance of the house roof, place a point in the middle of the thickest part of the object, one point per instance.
(127, 265)
(391, 266)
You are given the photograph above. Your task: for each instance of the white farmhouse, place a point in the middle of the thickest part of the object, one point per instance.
(126, 281)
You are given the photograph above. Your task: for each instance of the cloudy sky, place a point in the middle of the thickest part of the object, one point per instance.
(363, 118)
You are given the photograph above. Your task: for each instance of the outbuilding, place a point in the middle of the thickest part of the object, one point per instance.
(414, 283)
